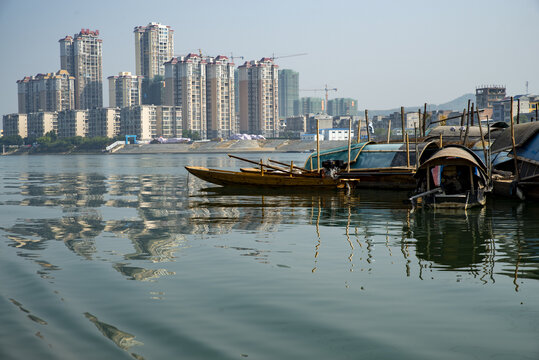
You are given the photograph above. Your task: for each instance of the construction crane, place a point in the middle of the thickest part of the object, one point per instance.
(286, 56)
(232, 57)
(327, 90)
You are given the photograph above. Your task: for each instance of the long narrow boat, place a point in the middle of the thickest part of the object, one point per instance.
(266, 179)
(377, 166)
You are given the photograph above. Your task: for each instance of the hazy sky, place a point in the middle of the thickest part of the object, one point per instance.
(384, 53)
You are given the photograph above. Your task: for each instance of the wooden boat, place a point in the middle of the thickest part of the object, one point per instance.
(517, 175)
(454, 177)
(265, 179)
(376, 166)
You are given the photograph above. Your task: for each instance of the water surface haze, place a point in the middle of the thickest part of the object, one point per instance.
(127, 256)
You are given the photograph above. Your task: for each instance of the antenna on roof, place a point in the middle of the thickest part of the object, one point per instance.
(527, 92)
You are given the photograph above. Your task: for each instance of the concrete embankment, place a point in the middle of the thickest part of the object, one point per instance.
(231, 146)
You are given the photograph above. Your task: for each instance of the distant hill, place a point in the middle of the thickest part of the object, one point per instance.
(457, 105)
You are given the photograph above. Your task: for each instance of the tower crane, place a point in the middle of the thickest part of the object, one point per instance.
(286, 56)
(327, 90)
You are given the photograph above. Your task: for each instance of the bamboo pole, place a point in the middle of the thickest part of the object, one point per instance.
(349, 144)
(441, 138)
(425, 120)
(472, 116)
(518, 111)
(407, 151)
(402, 122)
(537, 112)
(367, 125)
(388, 130)
(482, 138)
(262, 165)
(513, 142)
(318, 145)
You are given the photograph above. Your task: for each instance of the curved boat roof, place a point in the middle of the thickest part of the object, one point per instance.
(523, 132)
(454, 154)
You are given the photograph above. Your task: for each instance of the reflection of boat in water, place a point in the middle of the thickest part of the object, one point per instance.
(453, 177)
(456, 241)
(265, 179)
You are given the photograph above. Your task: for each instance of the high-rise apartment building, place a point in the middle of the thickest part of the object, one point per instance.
(125, 90)
(486, 96)
(309, 105)
(185, 86)
(220, 97)
(288, 92)
(46, 92)
(154, 45)
(15, 124)
(259, 97)
(342, 106)
(81, 55)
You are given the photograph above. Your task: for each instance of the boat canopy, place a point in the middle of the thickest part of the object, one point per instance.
(523, 133)
(454, 155)
(368, 155)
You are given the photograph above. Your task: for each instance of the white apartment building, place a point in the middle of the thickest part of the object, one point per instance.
(72, 123)
(15, 124)
(329, 134)
(258, 92)
(125, 90)
(81, 56)
(154, 45)
(46, 92)
(104, 122)
(148, 122)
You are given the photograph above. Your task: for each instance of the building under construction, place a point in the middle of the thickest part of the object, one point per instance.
(486, 95)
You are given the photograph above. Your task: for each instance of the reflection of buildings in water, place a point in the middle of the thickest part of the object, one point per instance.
(140, 274)
(121, 338)
(66, 190)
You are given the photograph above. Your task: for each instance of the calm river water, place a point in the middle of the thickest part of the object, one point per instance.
(126, 256)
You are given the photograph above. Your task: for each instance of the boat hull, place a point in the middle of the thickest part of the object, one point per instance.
(233, 178)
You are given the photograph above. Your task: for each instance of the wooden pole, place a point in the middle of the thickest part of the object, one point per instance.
(518, 111)
(513, 142)
(461, 123)
(349, 144)
(467, 127)
(359, 130)
(420, 120)
(471, 115)
(407, 151)
(402, 123)
(388, 130)
(441, 138)
(482, 138)
(537, 112)
(416, 149)
(367, 125)
(425, 120)
(318, 145)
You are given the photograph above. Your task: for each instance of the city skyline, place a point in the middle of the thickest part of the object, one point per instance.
(441, 55)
